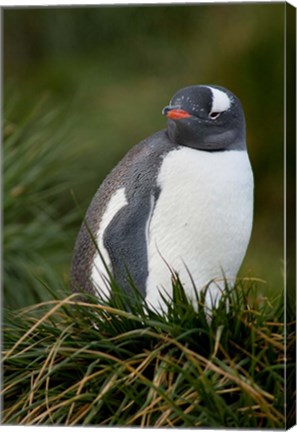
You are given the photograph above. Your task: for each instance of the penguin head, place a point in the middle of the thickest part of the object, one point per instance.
(206, 117)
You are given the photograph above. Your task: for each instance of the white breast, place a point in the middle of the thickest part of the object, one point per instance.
(202, 221)
(99, 273)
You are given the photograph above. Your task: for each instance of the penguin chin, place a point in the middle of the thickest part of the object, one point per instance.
(227, 140)
(182, 133)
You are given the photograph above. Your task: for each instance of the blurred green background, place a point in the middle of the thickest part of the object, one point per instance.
(83, 85)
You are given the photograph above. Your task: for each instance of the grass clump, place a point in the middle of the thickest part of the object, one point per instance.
(40, 166)
(91, 362)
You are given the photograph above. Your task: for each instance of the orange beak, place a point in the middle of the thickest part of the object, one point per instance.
(175, 113)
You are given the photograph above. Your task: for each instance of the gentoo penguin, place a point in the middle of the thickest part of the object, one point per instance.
(180, 202)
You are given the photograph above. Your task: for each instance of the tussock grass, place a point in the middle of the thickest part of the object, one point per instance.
(86, 361)
(41, 157)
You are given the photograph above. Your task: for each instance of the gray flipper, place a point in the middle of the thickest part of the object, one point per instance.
(125, 236)
(125, 240)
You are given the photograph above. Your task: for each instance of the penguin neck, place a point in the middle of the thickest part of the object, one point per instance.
(225, 141)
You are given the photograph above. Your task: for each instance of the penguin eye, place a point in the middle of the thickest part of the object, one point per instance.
(214, 115)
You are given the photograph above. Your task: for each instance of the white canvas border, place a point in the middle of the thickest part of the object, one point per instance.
(59, 3)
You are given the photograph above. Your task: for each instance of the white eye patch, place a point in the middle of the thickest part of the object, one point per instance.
(220, 101)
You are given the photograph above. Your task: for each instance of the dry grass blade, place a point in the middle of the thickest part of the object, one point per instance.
(134, 367)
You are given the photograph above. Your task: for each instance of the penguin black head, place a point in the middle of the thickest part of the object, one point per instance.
(206, 117)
